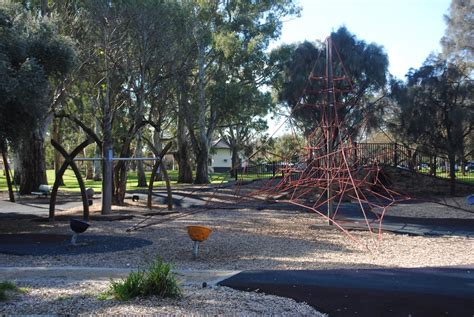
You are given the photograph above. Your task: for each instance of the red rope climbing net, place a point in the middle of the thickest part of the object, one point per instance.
(331, 177)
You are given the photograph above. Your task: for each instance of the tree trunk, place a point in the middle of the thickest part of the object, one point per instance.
(120, 182)
(56, 136)
(32, 163)
(452, 173)
(87, 165)
(235, 160)
(107, 163)
(202, 170)
(158, 147)
(121, 173)
(107, 144)
(6, 166)
(97, 153)
(139, 164)
(185, 171)
(17, 167)
(202, 153)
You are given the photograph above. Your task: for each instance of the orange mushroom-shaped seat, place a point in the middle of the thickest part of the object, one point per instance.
(198, 233)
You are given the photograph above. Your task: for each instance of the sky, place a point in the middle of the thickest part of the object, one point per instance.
(409, 30)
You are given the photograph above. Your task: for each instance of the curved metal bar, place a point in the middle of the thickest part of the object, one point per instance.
(85, 202)
(68, 160)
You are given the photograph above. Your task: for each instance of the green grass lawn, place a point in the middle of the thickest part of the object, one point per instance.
(71, 184)
(216, 178)
(468, 177)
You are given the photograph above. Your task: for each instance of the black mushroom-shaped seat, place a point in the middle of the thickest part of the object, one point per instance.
(78, 226)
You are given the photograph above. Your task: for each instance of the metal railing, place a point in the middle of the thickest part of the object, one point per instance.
(384, 154)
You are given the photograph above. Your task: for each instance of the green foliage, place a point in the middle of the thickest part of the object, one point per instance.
(31, 53)
(287, 148)
(158, 280)
(434, 109)
(458, 42)
(230, 41)
(132, 286)
(6, 288)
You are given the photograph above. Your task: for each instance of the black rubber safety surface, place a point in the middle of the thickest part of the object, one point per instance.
(60, 244)
(412, 292)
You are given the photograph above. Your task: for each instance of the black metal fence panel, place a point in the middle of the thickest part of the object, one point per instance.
(384, 154)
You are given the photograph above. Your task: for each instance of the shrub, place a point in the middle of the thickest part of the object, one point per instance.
(158, 280)
(128, 288)
(6, 287)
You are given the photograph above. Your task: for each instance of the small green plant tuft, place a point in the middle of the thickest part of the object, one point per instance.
(7, 287)
(158, 280)
(130, 287)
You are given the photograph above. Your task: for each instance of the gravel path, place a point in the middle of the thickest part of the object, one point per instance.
(242, 238)
(56, 297)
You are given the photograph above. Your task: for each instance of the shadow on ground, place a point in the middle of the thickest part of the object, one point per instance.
(59, 244)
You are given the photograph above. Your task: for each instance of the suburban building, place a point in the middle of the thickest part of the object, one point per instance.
(220, 157)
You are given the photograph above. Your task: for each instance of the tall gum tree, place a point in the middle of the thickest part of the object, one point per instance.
(228, 35)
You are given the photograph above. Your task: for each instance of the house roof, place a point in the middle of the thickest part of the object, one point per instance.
(220, 144)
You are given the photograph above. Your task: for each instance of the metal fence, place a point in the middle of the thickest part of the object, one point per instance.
(419, 160)
(385, 154)
(263, 170)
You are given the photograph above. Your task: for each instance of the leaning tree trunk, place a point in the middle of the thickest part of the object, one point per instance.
(140, 166)
(56, 136)
(32, 163)
(158, 147)
(120, 182)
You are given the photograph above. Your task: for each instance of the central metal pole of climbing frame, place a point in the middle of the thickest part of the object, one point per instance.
(330, 138)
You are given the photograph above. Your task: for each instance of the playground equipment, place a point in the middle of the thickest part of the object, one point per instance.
(69, 160)
(198, 234)
(77, 226)
(332, 175)
(470, 199)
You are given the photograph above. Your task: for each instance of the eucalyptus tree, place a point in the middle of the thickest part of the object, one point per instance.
(148, 56)
(104, 33)
(35, 56)
(365, 64)
(133, 47)
(246, 106)
(458, 41)
(230, 38)
(435, 109)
